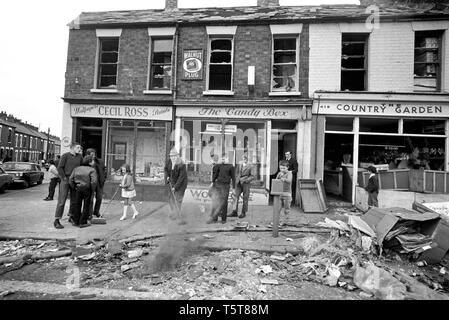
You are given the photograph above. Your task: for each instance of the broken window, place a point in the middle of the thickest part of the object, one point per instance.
(427, 60)
(353, 62)
(161, 64)
(220, 64)
(108, 63)
(285, 64)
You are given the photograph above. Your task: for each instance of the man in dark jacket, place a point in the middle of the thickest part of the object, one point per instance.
(176, 173)
(84, 181)
(372, 187)
(222, 176)
(293, 168)
(100, 168)
(69, 161)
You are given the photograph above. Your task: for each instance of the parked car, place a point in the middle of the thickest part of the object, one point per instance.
(5, 180)
(24, 173)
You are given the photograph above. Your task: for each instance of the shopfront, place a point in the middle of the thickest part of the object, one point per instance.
(134, 135)
(263, 133)
(391, 132)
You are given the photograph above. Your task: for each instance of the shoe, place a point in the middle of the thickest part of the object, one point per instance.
(48, 199)
(84, 225)
(72, 221)
(243, 215)
(97, 215)
(211, 221)
(233, 214)
(223, 221)
(135, 214)
(58, 225)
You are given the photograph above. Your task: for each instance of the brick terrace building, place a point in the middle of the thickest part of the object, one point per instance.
(244, 80)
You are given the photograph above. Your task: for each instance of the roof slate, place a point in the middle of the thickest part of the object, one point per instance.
(253, 14)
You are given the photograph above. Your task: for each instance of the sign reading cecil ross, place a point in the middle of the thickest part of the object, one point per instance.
(121, 112)
(192, 64)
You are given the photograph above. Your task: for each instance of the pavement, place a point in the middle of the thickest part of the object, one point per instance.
(24, 214)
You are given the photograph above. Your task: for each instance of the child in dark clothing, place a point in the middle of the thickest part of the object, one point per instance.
(84, 181)
(372, 187)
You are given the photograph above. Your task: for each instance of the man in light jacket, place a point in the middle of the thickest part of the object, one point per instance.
(244, 176)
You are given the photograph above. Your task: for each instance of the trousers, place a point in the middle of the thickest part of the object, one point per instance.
(64, 190)
(244, 190)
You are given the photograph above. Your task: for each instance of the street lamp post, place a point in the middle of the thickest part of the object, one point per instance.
(48, 143)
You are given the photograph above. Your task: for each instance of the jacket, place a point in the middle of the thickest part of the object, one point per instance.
(127, 182)
(83, 178)
(244, 174)
(68, 163)
(101, 172)
(292, 165)
(53, 172)
(373, 184)
(177, 177)
(224, 174)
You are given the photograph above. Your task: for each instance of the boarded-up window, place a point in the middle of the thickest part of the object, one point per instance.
(108, 63)
(161, 64)
(354, 61)
(220, 64)
(285, 64)
(427, 60)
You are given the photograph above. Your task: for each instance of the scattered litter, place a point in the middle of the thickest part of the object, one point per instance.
(84, 296)
(334, 224)
(263, 288)
(135, 253)
(334, 275)
(88, 257)
(366, 243)
(277, 257)
(125, 268)
(421, 263)
(365, 295)
(208, 236)
(227, 281)
(289, 239)
(357, 223)
(269, 281)
(265, 269)
(443, 271)
(6, 293)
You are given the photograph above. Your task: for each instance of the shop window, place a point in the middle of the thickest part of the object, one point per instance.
(142, 145)
(283, 125)
(427, 71)
(285, 64)
(353, 62)
(108, 63)
(161, 64)
(379, 125)
(339, 124)
(202, 139)
(414, 126)
(220, 64)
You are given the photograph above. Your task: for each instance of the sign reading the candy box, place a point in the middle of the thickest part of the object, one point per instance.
(260, 112)
(192, 65)
(121, 112)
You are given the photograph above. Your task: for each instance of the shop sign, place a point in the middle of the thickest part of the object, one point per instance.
(192, 64)
(241, 112)
(121, 112)
(382, 108)
(200, 195)
(213, 127)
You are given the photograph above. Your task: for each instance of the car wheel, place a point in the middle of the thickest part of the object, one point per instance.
(40, 180)
(26, 184)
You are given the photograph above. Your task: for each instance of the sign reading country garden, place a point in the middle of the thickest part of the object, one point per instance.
(192, 65)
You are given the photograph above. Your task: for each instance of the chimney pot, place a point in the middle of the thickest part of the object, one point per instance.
(268, 3)
(171, 5)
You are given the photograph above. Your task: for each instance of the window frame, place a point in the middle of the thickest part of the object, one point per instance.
(150, 89)
(99, 63)
(297, 61)
(211, 38)
(439, 34)
(365, 57)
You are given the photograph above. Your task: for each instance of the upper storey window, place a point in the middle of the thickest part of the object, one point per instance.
(108, 63)
(354, 61)
(427, 70)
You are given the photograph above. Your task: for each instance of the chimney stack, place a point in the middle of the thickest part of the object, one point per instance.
(267, 3)
(171, 5)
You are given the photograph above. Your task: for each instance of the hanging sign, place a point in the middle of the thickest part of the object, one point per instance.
(192, 64)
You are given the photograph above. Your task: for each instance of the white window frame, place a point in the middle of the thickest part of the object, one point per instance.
(17, 139)
(286, 31)
(102, 34)
(159, 34)
(220, 32)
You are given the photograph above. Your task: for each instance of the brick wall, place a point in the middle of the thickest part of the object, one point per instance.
(252, 47)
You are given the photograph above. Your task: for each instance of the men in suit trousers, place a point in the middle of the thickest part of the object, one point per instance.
(176, 173)
(244, 176)
(293, 168)
(223, 175)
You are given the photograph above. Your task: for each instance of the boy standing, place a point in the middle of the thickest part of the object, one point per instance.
(286, 177)
(372, 187)
(84, 181)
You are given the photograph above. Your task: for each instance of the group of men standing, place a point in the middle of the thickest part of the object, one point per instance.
(82, 180)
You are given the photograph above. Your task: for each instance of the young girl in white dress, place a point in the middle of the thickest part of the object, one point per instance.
(128, 191)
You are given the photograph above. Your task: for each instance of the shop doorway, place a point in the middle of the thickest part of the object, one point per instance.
(91, 134)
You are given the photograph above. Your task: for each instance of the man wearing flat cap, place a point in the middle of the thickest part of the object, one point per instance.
(176, 173)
